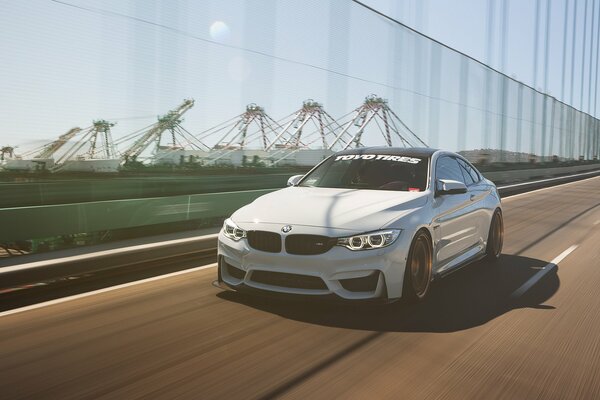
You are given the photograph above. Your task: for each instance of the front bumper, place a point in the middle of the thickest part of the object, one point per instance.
(340, 272)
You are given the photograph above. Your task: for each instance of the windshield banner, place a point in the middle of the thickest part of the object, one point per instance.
(384, 157)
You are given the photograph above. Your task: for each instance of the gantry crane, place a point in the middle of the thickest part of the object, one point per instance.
(253, 129)
(10, 150)
(94, 143)
(169, 122)
(252, 125)
(310, 127)
(310, 117)
(51, 148)
(376, 112)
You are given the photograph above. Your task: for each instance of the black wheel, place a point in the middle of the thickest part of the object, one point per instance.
(417, 276)
(495, 237)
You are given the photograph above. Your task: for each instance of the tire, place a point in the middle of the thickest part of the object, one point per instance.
(495, 240)
(417, 274)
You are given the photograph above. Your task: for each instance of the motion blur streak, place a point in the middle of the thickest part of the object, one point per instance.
(104, 290)
(180, 337)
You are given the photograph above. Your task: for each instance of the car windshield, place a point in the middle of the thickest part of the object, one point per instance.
(370, 171)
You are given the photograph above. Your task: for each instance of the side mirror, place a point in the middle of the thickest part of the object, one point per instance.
(293, 181)
(448, 186)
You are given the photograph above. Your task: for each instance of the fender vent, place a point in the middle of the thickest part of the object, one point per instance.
(365, 284)
(233, 271)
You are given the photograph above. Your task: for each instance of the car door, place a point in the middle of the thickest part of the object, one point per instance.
(478, 192)
(454, 224)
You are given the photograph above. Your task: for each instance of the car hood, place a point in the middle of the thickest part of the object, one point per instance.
(351, 209)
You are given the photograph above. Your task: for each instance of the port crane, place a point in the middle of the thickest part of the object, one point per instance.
(93, 143)
(170, 122)
(375, 113)
(51, 148)
(6, 150)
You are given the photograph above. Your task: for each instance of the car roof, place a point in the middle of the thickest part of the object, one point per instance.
(400, 151)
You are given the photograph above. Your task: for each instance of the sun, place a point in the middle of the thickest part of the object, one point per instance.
(219, 30)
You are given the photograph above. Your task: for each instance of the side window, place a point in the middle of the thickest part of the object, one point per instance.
(472, 171)
(477, 173)
(448, 168)
(470, 177)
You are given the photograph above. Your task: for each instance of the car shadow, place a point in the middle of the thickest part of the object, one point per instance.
(465, 299)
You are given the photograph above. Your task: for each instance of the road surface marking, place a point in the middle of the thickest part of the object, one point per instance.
(104, 290)
(514, 196)
(540, 274)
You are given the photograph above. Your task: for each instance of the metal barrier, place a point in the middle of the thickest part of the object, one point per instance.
(22, 223)
(93, 188)
(536, 173)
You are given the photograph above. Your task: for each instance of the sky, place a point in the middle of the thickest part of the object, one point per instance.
(462, 24)
(67, 63)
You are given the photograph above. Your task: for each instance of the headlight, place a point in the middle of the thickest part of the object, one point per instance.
(369, 241)
(232, 231)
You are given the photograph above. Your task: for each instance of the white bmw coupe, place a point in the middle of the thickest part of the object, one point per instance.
(370, 223)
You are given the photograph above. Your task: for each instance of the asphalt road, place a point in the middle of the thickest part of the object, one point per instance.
(523, 328)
